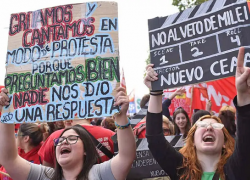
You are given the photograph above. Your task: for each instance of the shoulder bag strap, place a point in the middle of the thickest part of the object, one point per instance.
(100, 146)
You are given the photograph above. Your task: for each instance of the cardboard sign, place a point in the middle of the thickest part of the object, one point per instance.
(62, 63)
(199, 44)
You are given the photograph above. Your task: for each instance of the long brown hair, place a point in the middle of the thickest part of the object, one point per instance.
(192, 167)
(188, 125)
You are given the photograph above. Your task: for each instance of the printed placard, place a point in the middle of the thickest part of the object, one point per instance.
(199, 44)
(62, 63)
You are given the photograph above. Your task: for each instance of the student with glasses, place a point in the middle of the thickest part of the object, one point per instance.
(75, 153)
(209, 153)
(167, 126)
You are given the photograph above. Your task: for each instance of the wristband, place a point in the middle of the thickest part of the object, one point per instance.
(156, 93)
(156, 90)
(124, 126)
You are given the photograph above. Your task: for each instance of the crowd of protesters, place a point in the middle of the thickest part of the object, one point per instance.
(216, 148)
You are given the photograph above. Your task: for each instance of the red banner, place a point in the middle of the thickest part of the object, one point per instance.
(183, 101)
(220, 92)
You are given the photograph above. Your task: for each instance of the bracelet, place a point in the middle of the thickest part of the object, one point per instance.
(157, 93)
(124, 126)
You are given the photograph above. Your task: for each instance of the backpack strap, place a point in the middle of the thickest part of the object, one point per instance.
(40, 160)
(100, 146)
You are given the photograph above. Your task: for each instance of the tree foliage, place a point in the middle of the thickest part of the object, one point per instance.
(184, 4)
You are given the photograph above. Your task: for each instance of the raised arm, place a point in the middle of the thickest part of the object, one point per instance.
(167, 157)
(122, 162)
(16, 167)
(239, 162)
(167, 102)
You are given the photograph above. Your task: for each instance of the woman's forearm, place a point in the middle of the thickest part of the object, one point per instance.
(121, 163)
(8, 149)
(126, 139)
(155, 104)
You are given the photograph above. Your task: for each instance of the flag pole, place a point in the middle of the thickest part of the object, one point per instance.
(192, 93)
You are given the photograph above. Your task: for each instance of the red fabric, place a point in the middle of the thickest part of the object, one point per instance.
(17, 127)
(103, 135)
(143, 132)
(201, 90)
(220, 92)
(183, 101)
(31, 156)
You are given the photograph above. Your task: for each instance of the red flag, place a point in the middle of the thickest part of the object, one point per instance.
(202, 90)
(220, 92)
(123, 82)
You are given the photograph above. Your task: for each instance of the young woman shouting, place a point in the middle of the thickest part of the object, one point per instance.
(209, 153)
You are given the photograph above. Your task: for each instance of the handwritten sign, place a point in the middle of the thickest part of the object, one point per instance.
(62, 63)
(199, 44)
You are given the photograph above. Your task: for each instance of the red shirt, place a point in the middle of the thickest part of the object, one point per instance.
(17, 127)
(31, 156)
(47, 152)
(143, 132)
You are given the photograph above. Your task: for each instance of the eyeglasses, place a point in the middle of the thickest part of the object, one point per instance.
(165, 131)
(202, 124)
(72, 139)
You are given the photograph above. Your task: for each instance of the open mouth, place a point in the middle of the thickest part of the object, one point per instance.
(65, 151)
(208, 138)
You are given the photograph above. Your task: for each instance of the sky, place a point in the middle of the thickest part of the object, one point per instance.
(133, 18)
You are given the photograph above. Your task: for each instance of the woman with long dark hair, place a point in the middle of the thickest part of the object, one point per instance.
(181, 122)
(76, 157)
(209, 153)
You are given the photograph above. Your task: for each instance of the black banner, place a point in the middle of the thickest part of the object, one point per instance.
(199, 44)
(144, 165)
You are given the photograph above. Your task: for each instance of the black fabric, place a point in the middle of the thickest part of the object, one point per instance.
(100, 146)
(165, 111)
(237, 166)
(216, 176)
(175, 140)
(40, 160)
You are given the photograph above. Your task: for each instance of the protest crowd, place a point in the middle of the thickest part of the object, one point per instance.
(215, 147)
(73, 114)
